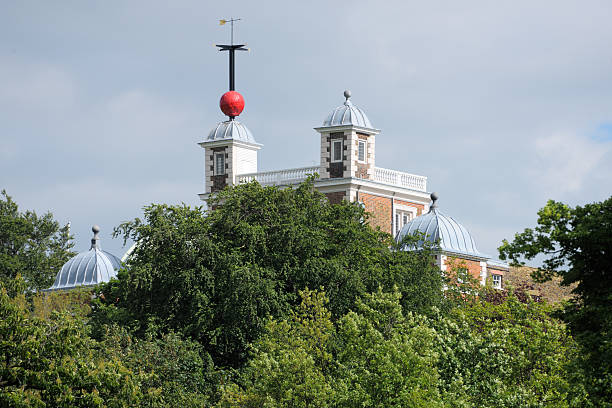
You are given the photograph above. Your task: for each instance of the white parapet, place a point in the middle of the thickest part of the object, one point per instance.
(400, 179)
(295, 176)
(280, 177)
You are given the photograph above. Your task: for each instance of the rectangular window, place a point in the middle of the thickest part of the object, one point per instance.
(401, 219)
(497, 281)
(361, 151)
(219, 164)
(398, 227)
(336, 151)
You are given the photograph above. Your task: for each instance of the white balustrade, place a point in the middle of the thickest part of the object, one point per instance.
(295, 176)
(280, 177)
(400, 179)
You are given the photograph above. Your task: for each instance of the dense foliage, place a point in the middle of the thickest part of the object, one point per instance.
(577, 245)
(54, 362)
(34, 247)
(485, 355)
(217, 277)
(214, 309)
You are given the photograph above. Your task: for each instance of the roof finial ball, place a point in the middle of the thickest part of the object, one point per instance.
(232, 104)
(434, 198)
(94, 241)
(347, 94)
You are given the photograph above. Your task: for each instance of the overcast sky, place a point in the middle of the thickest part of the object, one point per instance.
(502, 105)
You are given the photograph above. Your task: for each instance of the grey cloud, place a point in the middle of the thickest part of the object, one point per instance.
(101, 107)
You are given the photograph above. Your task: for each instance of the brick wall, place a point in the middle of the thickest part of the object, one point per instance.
(496, 271)
(419, 207)
(362, 170)
(379, 209)
(336, 197)
(473, 267)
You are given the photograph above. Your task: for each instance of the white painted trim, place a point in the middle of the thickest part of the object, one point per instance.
(420, 197)
(227, 142)
(464, 256)
(483, 273)
(334, 129)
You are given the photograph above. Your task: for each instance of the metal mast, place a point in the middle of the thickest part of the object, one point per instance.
(231, 48)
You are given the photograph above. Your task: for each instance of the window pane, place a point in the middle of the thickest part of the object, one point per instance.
(361, 154)
(337, 151)
(219, 163)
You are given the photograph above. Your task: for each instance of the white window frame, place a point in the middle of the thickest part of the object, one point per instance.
(334, 148)
(363, 143)
(497, 283)
(403, 215)
(217, 171)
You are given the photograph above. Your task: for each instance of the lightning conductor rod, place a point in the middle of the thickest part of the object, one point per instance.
(231, 48)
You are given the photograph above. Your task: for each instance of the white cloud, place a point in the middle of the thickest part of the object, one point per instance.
(565, 160)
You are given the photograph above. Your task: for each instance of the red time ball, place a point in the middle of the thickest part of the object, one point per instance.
(231, 103)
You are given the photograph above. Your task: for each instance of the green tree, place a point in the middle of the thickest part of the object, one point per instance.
(577, 245)
(31, 246)
(216, 277)
(53, 362)
(371, 357)
(177, 372)
(510, 354)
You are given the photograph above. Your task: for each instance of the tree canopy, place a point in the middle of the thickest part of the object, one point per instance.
(508, 355)
(34, 247)
(217, 277)
(577, 245)
(276, 298)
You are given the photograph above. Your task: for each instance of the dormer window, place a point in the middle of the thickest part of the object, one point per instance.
(219, 164)
(336, 151)
(361, 151)
(497, 281)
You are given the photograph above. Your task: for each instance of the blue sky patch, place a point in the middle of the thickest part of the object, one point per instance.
(603, 133)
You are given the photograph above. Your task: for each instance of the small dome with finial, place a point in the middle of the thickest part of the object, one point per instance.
(442, 231)
(347, 114)
(231, 130)
(88, 268)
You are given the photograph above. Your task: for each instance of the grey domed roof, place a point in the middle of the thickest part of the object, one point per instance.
(231, 129)
(347, 114)
(87, 268)
(442, 231)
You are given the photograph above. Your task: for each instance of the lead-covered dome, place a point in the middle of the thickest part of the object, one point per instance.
(442, 231)
(231, 129)
(87, 268)
(347, 114)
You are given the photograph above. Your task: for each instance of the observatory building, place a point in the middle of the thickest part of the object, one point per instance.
(398, 202)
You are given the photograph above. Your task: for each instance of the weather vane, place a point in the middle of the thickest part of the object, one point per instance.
(231, 48)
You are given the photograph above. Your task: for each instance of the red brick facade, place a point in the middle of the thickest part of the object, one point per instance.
(419, 207)
(496, 271)
(473, 267)
(379, 209)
